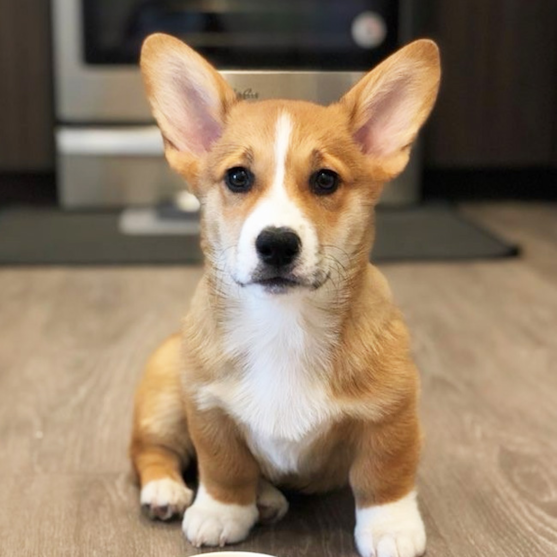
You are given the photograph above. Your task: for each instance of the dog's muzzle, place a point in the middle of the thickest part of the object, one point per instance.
(277, 249)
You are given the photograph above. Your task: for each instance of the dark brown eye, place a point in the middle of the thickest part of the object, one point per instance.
(238, 179)
(324, 182)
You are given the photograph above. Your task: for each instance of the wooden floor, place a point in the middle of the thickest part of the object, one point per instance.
(72, 343)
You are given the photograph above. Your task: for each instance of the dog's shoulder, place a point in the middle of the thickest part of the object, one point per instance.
(373, 366)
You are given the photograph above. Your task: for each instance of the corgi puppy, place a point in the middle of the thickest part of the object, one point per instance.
(293, 366)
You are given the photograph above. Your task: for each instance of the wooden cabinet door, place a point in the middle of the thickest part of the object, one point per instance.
(26, 109)
(498, 100)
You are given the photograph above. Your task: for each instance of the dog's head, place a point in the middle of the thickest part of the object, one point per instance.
(287, 187)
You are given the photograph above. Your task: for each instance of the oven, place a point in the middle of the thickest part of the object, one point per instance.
(110, 153)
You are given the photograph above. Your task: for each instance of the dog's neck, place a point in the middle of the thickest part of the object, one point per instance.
(323, 310)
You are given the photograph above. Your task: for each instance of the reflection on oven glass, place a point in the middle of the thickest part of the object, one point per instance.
(294, 34)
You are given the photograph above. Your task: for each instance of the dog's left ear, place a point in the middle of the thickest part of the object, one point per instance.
(388, 106)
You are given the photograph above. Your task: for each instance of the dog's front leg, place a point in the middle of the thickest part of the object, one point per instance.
(224, 509)
(388, 521)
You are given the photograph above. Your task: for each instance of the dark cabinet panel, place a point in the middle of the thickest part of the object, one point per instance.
(497, 105)
(26, 114)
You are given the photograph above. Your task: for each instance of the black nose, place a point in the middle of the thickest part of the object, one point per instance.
(277, 246)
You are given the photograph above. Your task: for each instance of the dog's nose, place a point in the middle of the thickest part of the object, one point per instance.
(277, 246)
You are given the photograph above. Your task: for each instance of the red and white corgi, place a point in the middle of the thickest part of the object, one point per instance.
(293, 365)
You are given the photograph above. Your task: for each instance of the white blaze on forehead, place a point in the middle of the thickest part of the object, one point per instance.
(282, 142)
(277, 209)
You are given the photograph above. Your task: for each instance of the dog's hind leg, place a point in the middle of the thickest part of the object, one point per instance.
(271, 503)
(161, 447)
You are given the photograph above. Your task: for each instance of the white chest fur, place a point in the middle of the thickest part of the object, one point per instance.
(280, 395)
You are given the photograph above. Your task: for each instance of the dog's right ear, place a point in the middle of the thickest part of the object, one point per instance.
(189, 99)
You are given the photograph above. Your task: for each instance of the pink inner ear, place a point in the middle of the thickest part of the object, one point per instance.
(388, 126)
(191, 124)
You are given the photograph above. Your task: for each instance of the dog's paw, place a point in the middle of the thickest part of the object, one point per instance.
(212, 523)
(165, 498)
(391, 530)
(271, 503)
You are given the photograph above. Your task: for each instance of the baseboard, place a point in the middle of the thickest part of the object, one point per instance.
(490, 184)
(31, 188)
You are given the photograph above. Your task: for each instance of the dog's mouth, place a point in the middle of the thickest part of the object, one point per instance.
(280, 284)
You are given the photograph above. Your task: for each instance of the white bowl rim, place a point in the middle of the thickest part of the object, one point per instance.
(235, 554)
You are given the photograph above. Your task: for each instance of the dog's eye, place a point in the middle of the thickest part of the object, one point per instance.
(324, 182)
(238, 179)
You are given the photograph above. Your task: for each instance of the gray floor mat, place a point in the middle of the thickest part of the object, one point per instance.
(49, 236)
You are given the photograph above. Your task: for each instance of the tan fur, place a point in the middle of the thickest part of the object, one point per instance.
(161, 445)
(375, 441)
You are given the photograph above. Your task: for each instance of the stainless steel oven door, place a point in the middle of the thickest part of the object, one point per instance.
(113, 93)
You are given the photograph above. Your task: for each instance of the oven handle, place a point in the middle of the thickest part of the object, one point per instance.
(131, 141)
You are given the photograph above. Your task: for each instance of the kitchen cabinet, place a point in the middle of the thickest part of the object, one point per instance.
(498, 101)
(26, 110)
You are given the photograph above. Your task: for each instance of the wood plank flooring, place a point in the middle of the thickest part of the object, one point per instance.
(73, 341)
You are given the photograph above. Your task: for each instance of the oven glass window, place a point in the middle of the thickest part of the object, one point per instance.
(247, 34)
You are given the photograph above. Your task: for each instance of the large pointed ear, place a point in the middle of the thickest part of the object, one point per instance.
(189, 98)
(388, 105)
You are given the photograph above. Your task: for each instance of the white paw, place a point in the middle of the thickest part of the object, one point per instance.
(391, 530)
(271, 503)
(210, 522)
(165, 498)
